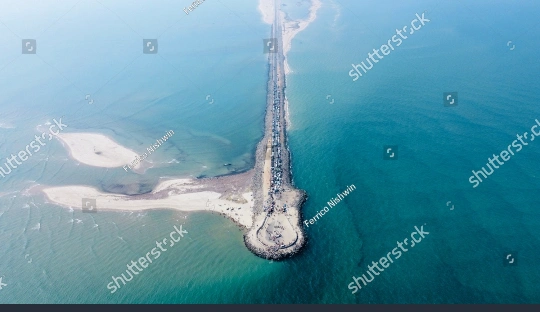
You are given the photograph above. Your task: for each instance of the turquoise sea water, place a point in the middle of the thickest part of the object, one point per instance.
(88, 48)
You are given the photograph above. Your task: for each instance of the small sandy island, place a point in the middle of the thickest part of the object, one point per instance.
(97, 150)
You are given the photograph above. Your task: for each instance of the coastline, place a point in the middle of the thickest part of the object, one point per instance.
(291, 28)
(288, 123)
(277, 231)
(263, 200)
(229, 196)
(97, 150)
(266, 8)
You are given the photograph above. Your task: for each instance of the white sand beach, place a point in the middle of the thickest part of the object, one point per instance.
(287, 114)
(290, 27)
(266, 7)
(293, 27)
(179, 194)
(97, 150)
(226, 195)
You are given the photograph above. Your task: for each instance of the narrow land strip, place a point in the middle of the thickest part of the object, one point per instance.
(263, 200)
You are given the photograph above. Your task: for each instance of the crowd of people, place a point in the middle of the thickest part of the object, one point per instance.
(276, 160)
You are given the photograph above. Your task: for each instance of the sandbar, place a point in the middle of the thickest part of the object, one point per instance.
(232, 200)
(290, 27)
(97, 150)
